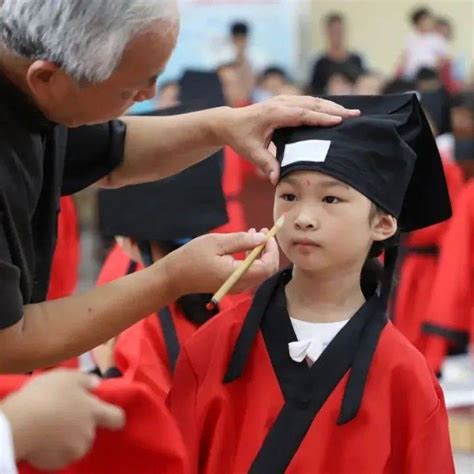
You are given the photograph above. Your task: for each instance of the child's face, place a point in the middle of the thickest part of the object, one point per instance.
(327, 224)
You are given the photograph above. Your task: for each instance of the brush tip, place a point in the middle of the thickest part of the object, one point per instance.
(281, 220)
(211, 305)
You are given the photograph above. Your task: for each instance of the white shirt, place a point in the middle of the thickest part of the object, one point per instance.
(313, 338)
(7, 451)
(424, 50)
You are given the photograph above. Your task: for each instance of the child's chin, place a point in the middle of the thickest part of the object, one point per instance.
(304, 263)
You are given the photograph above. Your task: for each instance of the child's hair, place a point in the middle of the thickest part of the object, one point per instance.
(371, 275)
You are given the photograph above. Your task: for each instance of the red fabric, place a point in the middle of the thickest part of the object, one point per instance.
(65, 266)
(401, 425)
(447, 78)
(140, 351)
(232, 182)
(451, 306)
(417, 271)
(149, 443)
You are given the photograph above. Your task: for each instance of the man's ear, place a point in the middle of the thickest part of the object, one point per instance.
(47, 81)
(383, 226)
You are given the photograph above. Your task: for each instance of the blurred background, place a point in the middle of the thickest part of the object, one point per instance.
(261, 48)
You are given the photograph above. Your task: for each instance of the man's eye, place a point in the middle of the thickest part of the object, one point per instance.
(288, 197)
(331, 200)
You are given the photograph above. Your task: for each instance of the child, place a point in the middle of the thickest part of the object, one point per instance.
(310, 376)
(153, 220)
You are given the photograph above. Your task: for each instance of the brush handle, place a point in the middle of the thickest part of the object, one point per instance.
(243, 267)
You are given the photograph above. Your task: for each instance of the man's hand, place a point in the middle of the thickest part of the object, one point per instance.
(206, 262)
(54, 418)
(248, 130)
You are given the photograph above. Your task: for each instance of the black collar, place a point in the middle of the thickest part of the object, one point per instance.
(22, 106)
(353, 347)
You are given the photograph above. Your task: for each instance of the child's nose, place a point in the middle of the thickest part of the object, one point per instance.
(304, 221)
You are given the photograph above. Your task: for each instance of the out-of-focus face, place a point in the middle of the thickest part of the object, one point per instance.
(335, 32)
(339, 85)
(235, 92)
(444, 30)
(462, 122)
(273, 83)
(327, 223)
(168, 96)
(368, 84)
(426, 24)
(240, 42)
(64, 101)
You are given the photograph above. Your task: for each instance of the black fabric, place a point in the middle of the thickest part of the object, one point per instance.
(33, 153)
(112, 373)
(194, 85)
(388, 154)
(454, 336)
(325, 67)
(188, 204)
(165, 319)
(92, 152)
(305, 389)
(430, 250)
(170, 336)
(250, 329)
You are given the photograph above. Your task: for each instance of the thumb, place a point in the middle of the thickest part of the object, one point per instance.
(239, 242)
(108, 416)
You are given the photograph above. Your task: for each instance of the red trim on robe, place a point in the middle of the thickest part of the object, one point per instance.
(401, 426)
(417, 271)
(451, 306)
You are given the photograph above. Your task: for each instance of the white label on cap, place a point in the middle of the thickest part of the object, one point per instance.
(307, 150)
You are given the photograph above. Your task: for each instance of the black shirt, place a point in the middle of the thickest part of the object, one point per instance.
(325, 67)
(39, 162)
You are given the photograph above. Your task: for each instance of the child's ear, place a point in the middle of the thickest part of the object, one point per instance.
(384, 226)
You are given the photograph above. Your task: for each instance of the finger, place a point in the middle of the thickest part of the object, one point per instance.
(88, 381)
(268, 262)
(107, 415)
(320, 105)
(333, 108)
(267, 163)
(297, 116)
(238, 242)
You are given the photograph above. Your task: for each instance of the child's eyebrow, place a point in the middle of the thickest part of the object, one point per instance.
(333, 184)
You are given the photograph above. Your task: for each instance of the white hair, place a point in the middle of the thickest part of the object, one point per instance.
(86, 38)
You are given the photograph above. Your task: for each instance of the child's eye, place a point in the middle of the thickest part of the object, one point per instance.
(331, 200)
(288, 197)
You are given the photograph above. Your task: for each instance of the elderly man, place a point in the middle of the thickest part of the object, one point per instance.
(67, 69)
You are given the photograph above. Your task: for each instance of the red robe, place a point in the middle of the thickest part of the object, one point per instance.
(244, 406)
(232, 182)
(419, 262)
(449, 317)
(149, 443)
(142, 352)
(65, 266)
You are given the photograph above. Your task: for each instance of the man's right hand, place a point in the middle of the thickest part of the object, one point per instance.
(202, 265)
(54, 418)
